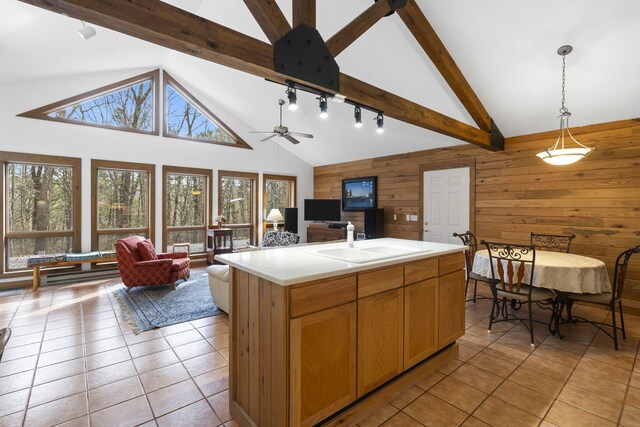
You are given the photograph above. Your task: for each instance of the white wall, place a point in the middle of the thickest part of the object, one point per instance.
(44, 137)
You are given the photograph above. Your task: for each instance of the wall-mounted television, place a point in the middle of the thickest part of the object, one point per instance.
(359, 194)
(321, 210)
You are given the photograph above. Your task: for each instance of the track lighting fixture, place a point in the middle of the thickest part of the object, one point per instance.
(323, 107)
(293, 98)
(358, 115)
(86, 32)
(380, 123)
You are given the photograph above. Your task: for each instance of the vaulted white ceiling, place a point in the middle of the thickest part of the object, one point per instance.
(506, 50)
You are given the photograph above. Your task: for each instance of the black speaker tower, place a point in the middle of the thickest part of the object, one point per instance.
(374, 223)
(291, 220)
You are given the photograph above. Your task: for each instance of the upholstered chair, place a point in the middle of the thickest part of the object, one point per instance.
(140, 265)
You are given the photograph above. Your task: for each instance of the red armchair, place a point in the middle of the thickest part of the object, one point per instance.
(135, 271)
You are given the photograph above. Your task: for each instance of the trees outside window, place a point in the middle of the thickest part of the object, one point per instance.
(123, 195)
(41, 207)
(237, 202)
(130, 105)
(187, 207)
(278, 192)
(188, 118)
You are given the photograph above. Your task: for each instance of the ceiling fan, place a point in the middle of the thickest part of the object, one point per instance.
(283, 131)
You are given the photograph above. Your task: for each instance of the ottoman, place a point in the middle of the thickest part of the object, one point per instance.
(219, 285)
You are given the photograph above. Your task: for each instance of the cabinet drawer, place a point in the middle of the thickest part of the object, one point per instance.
(451, 263)
(420, 270)
(321, 294)
(374, 282)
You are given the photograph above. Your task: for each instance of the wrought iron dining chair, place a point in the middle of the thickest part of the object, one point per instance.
(552, 242)
(5, 334)
(509, 283)
(609, 299)
(469, 240)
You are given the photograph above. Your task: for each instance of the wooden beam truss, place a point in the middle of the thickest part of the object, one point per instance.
(163, 24)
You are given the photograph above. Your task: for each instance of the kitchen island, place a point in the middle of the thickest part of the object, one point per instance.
(328, 334)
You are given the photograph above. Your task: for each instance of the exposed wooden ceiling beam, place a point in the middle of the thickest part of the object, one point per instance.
(426, 36)
(304, 12)
(410, 112)
(163, 24)
(354, 29)
(270, 18)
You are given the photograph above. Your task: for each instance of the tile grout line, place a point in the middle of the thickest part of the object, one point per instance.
(35, 369)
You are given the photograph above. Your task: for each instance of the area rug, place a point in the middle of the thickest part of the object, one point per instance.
(150, 307)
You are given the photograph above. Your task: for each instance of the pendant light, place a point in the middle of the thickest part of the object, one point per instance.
(557, 154)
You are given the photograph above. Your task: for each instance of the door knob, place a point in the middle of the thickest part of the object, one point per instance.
(425, 230)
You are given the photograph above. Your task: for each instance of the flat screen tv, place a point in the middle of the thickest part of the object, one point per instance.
(359, 194)
(321, 210)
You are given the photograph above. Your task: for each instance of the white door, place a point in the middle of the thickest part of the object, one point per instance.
(446, 204)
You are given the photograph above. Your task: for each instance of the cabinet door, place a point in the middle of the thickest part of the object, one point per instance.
(450, 307)
(380, 319)
(420, 321)
(323, 363)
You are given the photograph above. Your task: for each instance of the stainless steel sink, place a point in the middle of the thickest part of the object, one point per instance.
(367, 254)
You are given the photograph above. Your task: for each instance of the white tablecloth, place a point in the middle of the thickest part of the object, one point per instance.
(559, 271)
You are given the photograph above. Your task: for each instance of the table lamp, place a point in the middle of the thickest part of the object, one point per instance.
(275, 216)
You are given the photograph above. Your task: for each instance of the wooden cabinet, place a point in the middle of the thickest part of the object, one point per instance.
(380, 320)
(420, 321)
(450, 307)
(323, 363)
(301, 353)
(325, 234)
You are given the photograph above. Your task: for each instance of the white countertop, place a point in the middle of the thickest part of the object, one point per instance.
(296, 264)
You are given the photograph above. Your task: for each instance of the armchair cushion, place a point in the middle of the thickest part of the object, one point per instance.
(280, 238)
(179, 264)
(147, 251)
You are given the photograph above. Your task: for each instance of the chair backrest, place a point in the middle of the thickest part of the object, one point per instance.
(620, 272)
(279, 238)
(468, 239)
(5, 334)
(511, 262)
(127, 250)
(552, 242)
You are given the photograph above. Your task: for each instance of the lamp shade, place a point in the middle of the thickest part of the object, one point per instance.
(275, 216)
(86, 32)
(563, 156)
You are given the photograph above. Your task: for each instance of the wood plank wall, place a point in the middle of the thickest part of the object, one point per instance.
(597, 199)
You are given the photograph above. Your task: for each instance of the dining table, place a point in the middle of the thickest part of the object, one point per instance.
(559, 271)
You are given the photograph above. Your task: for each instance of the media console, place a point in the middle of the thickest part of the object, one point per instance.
(323, 233)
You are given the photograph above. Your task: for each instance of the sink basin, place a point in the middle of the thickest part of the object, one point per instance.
(375, 253)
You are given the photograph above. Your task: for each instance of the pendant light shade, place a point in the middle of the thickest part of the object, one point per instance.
(557, 154)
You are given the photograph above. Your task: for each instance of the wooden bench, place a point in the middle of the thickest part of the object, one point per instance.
(64, 263)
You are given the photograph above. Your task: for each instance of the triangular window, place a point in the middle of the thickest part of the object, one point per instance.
(187, 118)
(126, 105)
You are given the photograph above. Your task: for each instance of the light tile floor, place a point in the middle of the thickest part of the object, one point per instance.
(73, 360)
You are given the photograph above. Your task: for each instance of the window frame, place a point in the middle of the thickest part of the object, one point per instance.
(116, 165)
(42, 113)
(7, 157)
(293, 185)
(168, 80)
(208, 174)
(254, 200)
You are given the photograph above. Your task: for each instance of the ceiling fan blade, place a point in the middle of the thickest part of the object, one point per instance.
(304, 135)
(291, 139)
(266, 131)
(268, 138)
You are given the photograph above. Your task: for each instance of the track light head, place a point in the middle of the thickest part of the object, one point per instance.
(380, 123)
(293, 98)
(324, 113)
(86, 32)
(358, 115)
